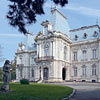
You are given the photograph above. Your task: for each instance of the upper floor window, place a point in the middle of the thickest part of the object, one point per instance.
(75, 71)
(93, 70)
(32, 60)
(21, 59)
(76, 37)
(85, 36)
(65, 53)
(95, 34)
(84, 55)
(84, 70)
(46, 30)
(75, 55)
(32, 57)
(47, 49)
(94, 53)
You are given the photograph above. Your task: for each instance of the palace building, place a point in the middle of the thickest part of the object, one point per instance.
(58, 53)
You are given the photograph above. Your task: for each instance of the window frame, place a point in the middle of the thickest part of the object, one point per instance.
(65, 52)
(75, 55)
(84, 52)
(75, 71)
(84, 70)
(94, 55)
(94, 70)
(32, 72)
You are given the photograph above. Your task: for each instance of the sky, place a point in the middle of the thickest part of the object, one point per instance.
(78, 12)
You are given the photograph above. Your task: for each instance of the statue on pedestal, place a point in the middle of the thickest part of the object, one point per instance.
(6, 76)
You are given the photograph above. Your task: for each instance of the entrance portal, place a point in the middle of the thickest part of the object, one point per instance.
(64, 73)
(45, 73)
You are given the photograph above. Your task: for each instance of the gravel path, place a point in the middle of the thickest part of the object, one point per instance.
(84, 91)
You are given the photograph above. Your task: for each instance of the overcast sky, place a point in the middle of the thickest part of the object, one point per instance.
(78, 12)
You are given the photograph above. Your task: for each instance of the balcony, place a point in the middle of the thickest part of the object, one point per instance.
(45, 58)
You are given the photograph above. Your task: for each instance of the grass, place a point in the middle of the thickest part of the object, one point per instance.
(36, 92)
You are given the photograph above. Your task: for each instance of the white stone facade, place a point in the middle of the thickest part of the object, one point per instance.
(56, 56)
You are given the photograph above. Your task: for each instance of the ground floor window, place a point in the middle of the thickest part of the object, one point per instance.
(45, 73)
(93, 70)
(75, 71)
(32, 72)
(84, 70)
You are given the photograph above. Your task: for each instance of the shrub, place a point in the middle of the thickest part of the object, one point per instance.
(24, 81)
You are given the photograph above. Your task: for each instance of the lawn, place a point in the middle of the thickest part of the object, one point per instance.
(36, 92)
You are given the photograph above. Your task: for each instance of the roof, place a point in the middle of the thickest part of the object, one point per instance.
(30, 42)
(59, 21)
(85, 33)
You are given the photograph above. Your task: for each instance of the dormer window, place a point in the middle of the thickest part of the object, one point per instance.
(85, 36)
(76, 37)
(45, 29)
(95, 34)
(47, 26)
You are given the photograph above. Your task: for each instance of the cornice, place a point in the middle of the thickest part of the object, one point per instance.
(66, 38)
(22, 52)
(86, 42)
(84, 27)
(84, 62)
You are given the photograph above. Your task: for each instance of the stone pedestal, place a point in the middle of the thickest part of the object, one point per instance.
(5, 87)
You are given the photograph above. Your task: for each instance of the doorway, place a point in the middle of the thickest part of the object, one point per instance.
(45, 73)
(64, 73)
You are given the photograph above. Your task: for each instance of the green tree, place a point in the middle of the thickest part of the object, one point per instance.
(1, 74)
(13, 71)
(24, 12)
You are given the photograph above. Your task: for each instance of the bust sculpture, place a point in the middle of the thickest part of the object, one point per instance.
(6, 76)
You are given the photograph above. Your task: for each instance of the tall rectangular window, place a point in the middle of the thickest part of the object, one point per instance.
(84, 55)
(75, 71)
(94, 53)
(83, 70)
(65, 53)
(32, 72)
(75, 55)
(32, 60)
(93, 70)
(46, 30)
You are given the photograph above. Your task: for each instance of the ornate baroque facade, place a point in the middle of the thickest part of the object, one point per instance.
(58, 53)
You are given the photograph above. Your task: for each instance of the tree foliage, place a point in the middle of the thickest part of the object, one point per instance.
(13, 71)
(1, 74)
(23, 12)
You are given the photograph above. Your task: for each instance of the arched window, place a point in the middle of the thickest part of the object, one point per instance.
(85, 36)
(93, 70)
(65, 53)
(75, 71)
(84, 54)
(95, 34)
(83, 70)
(32, 72)
(76, 37)
(94, 53)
